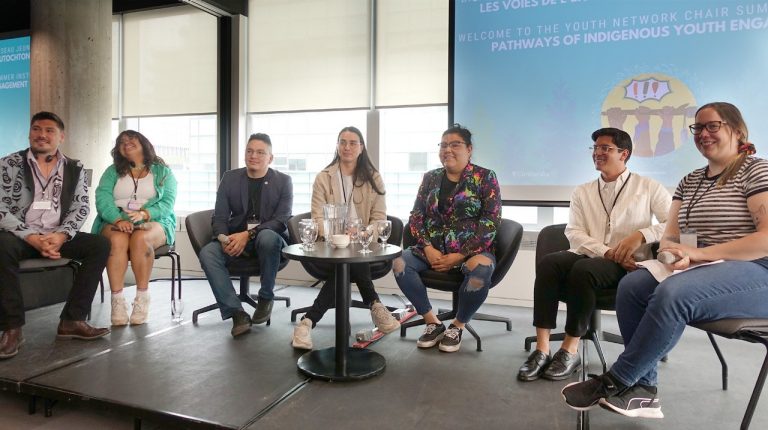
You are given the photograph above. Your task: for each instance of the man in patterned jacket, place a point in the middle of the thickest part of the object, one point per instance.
(43, 204)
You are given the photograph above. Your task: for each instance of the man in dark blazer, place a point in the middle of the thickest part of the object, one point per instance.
(253, 205)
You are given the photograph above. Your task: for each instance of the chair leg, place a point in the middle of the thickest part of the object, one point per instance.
(582, 418)
(494, 318)
(202, 311)
(552, 337)
(758, 384)
(721, 358)
(474, 334)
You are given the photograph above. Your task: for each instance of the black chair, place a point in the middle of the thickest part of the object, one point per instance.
(45, 282)
(508, 238)
(748, 330)
(552, 239)
(163, 251)
(200, 232)
(321, 271)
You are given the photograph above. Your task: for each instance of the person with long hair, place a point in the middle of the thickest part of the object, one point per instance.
(454, 221)
(349, 179)
(134, 203)
(718, 212)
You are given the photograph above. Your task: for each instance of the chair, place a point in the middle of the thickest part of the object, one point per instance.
(45, 282)
(200, 232)
(163, 251)
(552, 239)
(748, 330)
(508, 238)
(321, 271)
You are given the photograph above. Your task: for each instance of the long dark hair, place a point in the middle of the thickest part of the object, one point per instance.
(364, 168)
(122, 164)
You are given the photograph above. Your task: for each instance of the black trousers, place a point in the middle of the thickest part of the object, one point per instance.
(360, 274)
(90, 250)
(572, 278)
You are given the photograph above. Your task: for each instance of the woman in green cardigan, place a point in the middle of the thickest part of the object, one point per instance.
(134, 203)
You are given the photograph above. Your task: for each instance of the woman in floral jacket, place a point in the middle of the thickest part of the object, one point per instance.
(454, 222)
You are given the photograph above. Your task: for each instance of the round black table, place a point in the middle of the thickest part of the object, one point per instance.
(341, 362)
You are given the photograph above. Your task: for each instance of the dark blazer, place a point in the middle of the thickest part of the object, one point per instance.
(232, 203)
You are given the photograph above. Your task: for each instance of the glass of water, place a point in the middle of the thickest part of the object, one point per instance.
(353, 229)
(366, 234)
(177, 308)
(309, 231)
(384, 228)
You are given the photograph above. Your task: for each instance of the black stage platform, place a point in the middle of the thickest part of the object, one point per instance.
(186, 376)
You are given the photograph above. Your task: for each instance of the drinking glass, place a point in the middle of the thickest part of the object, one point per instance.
(308, 234)
(384, 228)
(177, 307)
(353, 229)
(366, 234)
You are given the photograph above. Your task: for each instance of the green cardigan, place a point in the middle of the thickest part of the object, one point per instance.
(160, 207)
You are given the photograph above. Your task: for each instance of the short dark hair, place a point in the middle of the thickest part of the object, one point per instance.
(461, 131)
(264, 137)
(620, 138)
(43, 115)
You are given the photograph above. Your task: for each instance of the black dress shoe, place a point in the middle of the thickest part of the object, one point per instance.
(563, 365)
(534, 366)
(10, 342)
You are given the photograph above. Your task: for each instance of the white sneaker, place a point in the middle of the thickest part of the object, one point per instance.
(119, 310)
(140, 309)
(383, 319)
(302, 337)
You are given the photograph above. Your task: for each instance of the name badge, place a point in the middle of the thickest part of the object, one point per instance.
(42, 205)
(133, 205)
(688, 238)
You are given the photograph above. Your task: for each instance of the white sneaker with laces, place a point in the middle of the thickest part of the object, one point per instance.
(383, 319)
(119, 310)
(140, 309)
(302, 336)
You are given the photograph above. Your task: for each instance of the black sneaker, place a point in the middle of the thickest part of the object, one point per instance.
(432, 335)
(451, 340)
(583, 395)
(639, 401)
(241, 323)
(263, 311)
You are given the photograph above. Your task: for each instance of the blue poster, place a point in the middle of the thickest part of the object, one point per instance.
(14, 94)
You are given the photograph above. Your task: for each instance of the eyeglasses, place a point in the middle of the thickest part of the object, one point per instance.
(605, 148)
(712, 127)
(257, 153)
(454, 145)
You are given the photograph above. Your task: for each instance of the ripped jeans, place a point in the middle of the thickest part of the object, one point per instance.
(472, 293)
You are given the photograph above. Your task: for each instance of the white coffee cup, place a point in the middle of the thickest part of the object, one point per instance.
(340, 240)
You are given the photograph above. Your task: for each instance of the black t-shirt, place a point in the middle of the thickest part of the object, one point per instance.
(254, 197)
(446, 188)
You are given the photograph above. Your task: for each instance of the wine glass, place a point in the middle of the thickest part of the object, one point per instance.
(384, 228)
(177, 307)
(366, 234)
(309, 234)
(353, 229)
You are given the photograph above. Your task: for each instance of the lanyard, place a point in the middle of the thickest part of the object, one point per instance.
(344, 189)
(40, 181)
(608, 214)
(694, 200)
(136, 182)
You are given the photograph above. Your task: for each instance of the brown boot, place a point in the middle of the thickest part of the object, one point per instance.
(10, 342)
(79, 330)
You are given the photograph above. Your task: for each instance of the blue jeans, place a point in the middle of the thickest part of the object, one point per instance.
(267, 246)
(652, 315)
(471, 293)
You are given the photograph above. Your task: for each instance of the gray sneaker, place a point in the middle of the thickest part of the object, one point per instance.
(383, 319)
(241, 323)
(263, 311)
(432, 335)
(452, 340)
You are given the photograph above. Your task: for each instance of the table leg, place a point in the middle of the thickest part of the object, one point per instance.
(342, 363)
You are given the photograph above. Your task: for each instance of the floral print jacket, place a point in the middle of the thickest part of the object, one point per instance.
(468, 225)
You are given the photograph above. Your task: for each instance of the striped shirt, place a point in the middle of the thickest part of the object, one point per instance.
(720, 214)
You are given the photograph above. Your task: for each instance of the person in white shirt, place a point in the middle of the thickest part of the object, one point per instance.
(610, 222)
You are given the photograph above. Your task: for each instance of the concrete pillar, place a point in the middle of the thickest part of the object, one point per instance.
(71, 71)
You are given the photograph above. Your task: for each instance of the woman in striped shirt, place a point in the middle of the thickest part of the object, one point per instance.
(718, 212)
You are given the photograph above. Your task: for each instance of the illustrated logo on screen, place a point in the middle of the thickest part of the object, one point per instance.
(655, 109)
